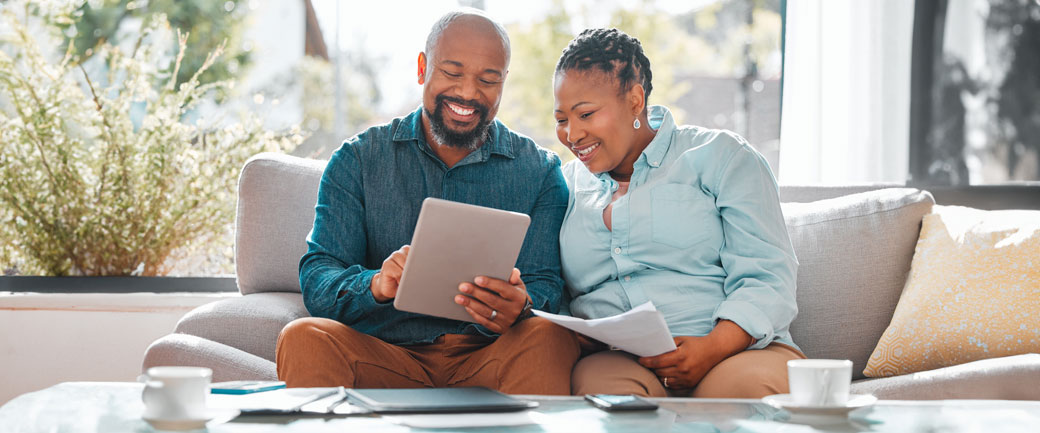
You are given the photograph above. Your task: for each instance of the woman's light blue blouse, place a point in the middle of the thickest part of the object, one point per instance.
(700, 233)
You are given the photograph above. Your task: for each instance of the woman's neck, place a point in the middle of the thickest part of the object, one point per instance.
(642, 139)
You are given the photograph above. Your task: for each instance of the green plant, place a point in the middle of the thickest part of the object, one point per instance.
(210, 24)
(99, 173)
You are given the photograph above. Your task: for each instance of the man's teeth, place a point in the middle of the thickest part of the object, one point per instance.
(586, 150)
(461, 111)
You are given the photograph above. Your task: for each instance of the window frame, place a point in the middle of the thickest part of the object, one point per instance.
(117, 284)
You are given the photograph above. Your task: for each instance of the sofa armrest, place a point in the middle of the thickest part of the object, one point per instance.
(250, 323)
(276, 198)
(226, 362)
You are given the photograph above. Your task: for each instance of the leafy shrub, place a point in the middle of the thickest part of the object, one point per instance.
(99, 173)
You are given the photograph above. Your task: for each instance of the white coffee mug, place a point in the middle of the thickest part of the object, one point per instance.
(175, 393)
(819, 382)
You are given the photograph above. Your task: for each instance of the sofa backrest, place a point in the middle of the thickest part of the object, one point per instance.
(854, 249)
(276, 198)
(854, 255)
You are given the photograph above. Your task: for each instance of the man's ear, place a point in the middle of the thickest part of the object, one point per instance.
(422, 68)
(636, 99)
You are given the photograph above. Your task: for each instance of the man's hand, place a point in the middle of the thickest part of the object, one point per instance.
(492, 302)
(694, 357)
(384, 284)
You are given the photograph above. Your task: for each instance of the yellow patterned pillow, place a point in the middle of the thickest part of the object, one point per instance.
(973, 293)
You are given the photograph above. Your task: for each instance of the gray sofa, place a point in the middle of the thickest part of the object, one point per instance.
(854, 245)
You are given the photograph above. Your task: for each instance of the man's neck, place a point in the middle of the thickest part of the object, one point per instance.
(450, 155)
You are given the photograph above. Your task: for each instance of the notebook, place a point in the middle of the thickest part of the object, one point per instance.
(437, 400)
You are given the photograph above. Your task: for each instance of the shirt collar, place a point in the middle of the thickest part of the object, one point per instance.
(411, 129)
(661, 120)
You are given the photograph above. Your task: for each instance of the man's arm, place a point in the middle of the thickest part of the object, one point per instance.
(333, 279)
(539, 260)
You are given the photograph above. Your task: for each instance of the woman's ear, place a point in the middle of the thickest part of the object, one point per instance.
(422, 68)
(636, 99)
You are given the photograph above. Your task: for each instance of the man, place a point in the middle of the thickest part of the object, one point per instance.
(368, 204)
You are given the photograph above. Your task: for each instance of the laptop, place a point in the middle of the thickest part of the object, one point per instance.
(454, 243)
(437, 400)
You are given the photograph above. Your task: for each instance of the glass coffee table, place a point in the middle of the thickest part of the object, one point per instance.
(117, 407)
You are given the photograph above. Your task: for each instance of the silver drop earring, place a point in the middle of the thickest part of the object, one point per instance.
(636, 124)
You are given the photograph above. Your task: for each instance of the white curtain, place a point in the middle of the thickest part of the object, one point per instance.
(846, 100)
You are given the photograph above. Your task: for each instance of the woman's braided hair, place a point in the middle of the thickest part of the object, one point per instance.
(611, 51)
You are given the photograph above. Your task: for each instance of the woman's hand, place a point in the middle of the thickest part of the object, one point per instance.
(694, 357)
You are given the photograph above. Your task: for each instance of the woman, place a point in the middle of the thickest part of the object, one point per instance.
(686, 217)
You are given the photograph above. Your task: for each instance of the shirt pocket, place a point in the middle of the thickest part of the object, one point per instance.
(679, 215)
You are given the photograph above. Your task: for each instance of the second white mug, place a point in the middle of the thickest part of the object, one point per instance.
(819, 382)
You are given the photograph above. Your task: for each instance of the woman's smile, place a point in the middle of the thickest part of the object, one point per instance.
(585, 152)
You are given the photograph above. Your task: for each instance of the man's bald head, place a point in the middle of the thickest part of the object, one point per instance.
(469, 17)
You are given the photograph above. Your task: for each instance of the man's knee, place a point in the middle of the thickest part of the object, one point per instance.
(309, 332)
(300, 329)
(547, 333)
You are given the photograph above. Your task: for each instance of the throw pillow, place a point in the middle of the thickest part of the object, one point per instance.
(854, 253)
(973, 293)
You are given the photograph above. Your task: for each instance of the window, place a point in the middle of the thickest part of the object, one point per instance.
(976, 83)
(334, 68)
(715, 63)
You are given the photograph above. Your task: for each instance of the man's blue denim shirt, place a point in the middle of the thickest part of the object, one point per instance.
(369, 201)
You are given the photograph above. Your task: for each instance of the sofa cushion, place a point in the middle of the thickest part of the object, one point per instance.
(1008, 378)
(276, 198)
(973, 293)
(250, 323)
(854, 254)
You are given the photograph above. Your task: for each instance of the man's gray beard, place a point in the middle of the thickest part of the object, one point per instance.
(472, 144)
(464, 140)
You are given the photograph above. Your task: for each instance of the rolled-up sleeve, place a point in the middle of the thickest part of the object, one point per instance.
(757, 254)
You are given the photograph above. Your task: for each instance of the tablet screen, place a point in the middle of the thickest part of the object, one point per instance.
(454, 243)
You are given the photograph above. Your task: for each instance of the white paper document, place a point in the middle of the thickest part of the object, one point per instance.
(640, 331)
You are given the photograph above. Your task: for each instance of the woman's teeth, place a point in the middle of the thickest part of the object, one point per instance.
(586, 150)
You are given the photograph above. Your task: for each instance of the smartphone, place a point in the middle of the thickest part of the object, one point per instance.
(245, 386)
(612, 403)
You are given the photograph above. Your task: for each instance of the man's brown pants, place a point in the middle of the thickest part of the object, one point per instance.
(533, 357)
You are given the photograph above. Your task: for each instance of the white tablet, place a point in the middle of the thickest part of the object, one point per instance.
(454, 243)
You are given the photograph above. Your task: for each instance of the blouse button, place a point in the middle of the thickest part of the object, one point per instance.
(617, 250)
(628, 278)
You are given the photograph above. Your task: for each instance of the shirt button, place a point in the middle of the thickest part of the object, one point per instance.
(617, 250)
(628, 278)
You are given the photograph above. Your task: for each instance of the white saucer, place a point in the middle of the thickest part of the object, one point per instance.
(217, 415)
(786, 402)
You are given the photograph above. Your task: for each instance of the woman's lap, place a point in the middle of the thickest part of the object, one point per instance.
(749, 374)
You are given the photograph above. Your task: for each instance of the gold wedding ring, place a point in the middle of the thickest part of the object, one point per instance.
(666, 382)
